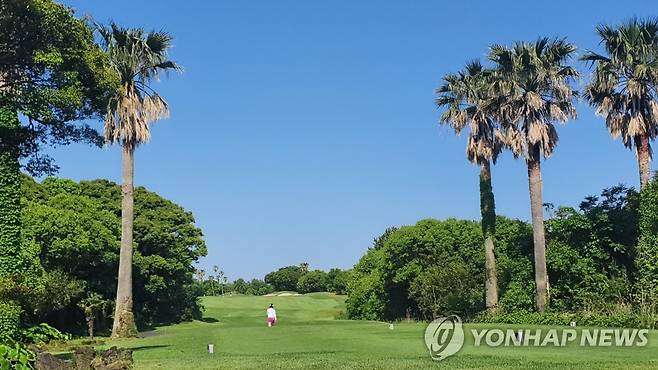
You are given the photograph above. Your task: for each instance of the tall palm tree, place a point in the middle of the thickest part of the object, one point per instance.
(138, 58)
(623, 86)
(469, 103)
(534, 89)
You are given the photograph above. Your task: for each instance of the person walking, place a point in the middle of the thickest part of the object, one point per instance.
(271, 316)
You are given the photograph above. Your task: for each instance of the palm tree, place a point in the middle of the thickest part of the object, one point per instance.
(623, 86)
(469, 103)
(138, 58)
(533, 85)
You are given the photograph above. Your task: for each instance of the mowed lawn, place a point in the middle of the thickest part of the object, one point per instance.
(309, 337)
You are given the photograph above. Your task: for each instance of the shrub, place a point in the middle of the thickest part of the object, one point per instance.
(41, 334)
(10, 319)
(16, 356)
(622, 318)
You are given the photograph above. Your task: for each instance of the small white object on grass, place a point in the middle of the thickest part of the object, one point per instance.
(211, 348)
(390, 326)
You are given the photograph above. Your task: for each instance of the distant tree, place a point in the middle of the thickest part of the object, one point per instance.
(93, 306)
(138, 58)
(240, 286)
(623, 86)
(285, 278)
(337, 280)
(313, 281)
(259, 287)
(304, 267)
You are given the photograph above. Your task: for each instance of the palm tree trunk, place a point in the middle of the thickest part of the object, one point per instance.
(643, 159)
(488, 212)
(536, 206)
(124, 320)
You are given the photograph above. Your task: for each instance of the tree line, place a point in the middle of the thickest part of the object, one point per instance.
(436, 268)
(289, 278)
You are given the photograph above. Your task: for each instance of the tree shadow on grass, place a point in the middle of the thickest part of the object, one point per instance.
(145, 348)
(210, 320)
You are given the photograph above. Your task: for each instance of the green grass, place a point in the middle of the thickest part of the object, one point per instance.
(309, 337)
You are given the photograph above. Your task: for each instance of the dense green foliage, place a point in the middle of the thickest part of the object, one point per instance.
(10, 211)
(10, 316)
(437, 267)
(72, 231)
(53, 73)
(16, 356)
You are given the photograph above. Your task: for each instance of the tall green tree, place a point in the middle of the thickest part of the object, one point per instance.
(138, 58)
(468, 101)
(623, 86)
(51, 74)
(534, 89)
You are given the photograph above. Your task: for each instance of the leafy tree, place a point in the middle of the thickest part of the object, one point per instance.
(51, 74)
(445, 289)
(259, 287)
(380, 282)
(93, 306)
(138, 58)
(313, 281)
(623, 86)
(469, 103)
(76, 229)
(285, 278)
(240, 286)
(534, 91)
(337, 280)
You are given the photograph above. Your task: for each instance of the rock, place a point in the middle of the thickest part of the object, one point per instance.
(83, 358)
(113, 359)
(46, 361)
(86, 358)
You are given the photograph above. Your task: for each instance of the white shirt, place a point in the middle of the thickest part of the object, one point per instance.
(271, 313)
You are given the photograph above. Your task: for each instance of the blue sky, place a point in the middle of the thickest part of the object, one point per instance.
(300, 130)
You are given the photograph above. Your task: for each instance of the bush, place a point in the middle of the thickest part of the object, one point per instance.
(10, 319)
(16, 356)
(41, 334)
(622, 318)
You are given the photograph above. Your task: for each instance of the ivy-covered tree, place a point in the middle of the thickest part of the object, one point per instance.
(51, 75)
